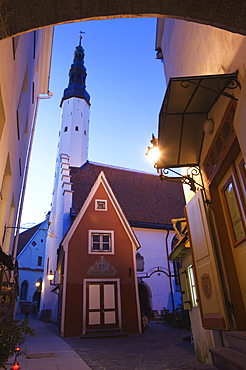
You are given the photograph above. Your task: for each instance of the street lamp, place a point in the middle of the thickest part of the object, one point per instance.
(153, 153)
(38, 284)
(51, 277)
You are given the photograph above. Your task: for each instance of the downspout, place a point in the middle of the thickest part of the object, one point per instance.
(24, 182)
(169, 271)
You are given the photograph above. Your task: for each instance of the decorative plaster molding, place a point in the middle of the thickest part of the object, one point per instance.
(101, 267)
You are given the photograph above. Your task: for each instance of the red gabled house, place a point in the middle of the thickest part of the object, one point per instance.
(99, 289)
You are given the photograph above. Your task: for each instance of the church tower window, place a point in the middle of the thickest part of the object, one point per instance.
(23, 292)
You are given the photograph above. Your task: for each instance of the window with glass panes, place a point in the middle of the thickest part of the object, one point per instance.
(101, 242)
(191, 281)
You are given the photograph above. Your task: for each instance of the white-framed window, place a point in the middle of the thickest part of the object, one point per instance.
(100, 205)
(101, 241)
(192, 285)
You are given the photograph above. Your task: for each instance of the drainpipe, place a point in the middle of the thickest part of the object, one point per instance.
(169, 271)
(24, 182)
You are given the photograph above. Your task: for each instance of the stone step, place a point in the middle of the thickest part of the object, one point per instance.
(236, 340)
(228, 359)
(106, 333)
(102, 335)
(204, 367)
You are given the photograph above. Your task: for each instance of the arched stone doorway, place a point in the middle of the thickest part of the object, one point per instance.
(145, 298)
(23, 16)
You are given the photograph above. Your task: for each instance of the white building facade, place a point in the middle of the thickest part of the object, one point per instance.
(158, 273)
(31, 266)
(24, 75)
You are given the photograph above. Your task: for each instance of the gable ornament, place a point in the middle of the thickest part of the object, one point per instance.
(101, 267)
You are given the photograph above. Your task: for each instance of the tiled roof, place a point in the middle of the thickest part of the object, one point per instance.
(143, 197)
(26, 236)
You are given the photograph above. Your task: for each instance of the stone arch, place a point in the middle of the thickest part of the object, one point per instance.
(24, 290)
(23, 16)
(145, 297)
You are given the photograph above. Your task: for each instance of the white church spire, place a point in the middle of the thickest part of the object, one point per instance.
(75, 105)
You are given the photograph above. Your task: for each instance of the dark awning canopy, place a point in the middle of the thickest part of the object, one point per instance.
(6, 260)
(184, 110)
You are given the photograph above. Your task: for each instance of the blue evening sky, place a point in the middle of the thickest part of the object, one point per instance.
(126, 85)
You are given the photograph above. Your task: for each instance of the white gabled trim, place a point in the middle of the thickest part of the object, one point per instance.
(101, 180)
(119, 211)
(137, 292)
(41, 228)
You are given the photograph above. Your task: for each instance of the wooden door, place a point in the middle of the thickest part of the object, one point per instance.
(231, 195)
(211, 302)
(101, 305)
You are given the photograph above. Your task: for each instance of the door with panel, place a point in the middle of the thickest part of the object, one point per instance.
(101, 305)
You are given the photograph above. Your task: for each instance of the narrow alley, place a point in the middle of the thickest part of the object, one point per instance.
(159, 347)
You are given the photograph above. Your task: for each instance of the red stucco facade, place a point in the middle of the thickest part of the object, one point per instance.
(79, 261)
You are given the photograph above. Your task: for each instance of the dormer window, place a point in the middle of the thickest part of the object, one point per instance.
(100, 205)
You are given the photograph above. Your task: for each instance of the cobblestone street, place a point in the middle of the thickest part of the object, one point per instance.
(160, 347)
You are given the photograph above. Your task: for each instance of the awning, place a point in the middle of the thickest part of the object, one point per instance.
(180, 248)
(185, 108)
(6, 260)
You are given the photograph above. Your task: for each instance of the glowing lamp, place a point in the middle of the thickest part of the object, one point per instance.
(15, 366)
(153, 153)
(50, 276)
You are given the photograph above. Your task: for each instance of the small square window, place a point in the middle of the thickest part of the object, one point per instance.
(39, 261)
(101, 241)
(100, 205)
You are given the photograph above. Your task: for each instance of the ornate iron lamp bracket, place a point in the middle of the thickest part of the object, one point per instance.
(187, 179)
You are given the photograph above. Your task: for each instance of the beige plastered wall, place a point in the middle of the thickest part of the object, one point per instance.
(191, 49)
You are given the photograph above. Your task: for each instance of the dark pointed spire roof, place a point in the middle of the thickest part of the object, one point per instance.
(77, 76)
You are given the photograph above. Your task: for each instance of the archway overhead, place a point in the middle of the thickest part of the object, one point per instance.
(25, 15)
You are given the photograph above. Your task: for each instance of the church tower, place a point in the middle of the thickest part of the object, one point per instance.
(73, 140)
(72, 151)
(75, 106)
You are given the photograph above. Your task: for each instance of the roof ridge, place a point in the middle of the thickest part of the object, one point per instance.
(115, 167)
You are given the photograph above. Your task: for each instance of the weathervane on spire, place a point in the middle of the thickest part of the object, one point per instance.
(80, 37)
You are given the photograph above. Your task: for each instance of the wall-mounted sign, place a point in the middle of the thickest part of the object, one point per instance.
(206, 286)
